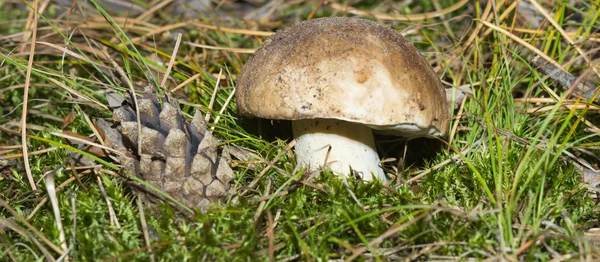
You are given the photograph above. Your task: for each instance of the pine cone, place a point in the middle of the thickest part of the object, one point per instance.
(182, 159)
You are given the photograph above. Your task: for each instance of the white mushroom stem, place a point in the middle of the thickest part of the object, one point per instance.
(352, 146)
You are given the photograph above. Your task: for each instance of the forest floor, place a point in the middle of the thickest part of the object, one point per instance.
(515, 179)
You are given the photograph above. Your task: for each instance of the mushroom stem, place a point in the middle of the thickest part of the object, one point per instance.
(352, 146)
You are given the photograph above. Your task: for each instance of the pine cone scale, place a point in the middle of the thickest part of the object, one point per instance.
(182, 159)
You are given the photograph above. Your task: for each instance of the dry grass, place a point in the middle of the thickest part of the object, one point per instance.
(514, 180)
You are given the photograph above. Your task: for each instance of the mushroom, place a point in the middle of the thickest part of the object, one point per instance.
(338, 79)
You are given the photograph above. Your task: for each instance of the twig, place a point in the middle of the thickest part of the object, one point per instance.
(408, 17)
(270, 164)
(111, 211)
(390, 232)
(214, 96)
(422, 252)
(563, 33)
(393, 250)
(152, 10)
(38, 152)
(36, 232)
(520, 41)
(144, 226)
(529, 243)
(347, 186)
(222, 109)
(271, 236)
(263, 252)
(262, 204)
(565, 79)
(172, 61)
(59, 188)
(564, 257)
(438, 8)
(75, 92)
(26, 97)
(462, 50)
(266, 197)
(198, 24)
(314, 11)
(19, 230)
(440, 165)
(7, 251)
(89, 143)
(74, 210)
(228, 49)
(187, 81)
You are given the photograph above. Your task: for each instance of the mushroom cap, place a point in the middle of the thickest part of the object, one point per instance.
(349, 69)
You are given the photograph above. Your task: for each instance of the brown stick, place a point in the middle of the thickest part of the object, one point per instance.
(565, 79)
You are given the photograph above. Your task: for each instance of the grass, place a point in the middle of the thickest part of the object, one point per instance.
(507, 183)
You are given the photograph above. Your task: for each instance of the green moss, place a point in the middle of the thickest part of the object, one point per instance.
(515, 183)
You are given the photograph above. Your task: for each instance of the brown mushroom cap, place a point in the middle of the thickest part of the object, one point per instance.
(349, 69)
